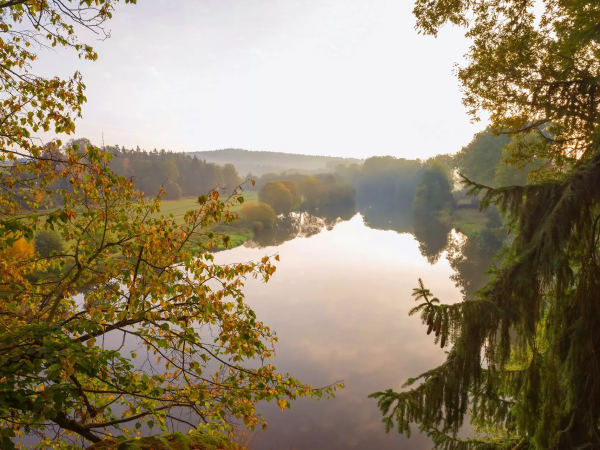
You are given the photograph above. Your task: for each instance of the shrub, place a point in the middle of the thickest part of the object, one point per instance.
(48, 241)
(20, 250)
(259, 212)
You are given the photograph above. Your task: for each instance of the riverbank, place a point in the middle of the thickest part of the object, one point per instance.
(239, 231)
(470, 222)
(486, 227)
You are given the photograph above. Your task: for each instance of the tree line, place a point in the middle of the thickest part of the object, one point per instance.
(178, 173)
(298, 193)
(431, 189)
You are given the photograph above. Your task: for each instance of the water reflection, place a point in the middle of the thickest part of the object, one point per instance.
(383, 216)
(469, 262)
(301, 225)
(339, 302)
(433, 237)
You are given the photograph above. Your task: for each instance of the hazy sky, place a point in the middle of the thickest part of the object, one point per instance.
(334, 77)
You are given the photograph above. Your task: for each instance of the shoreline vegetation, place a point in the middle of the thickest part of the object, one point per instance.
(391, 182)
(429, 189)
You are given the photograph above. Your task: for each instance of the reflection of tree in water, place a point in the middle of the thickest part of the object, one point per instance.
(301, 224)
(386, 216)
(469, 262)
(432, 236)
(464, 255)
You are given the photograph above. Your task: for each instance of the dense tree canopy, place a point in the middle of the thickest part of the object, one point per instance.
(479, 159)
(384, 179)
(326, 190)
(524, 354)
(178, 173)
(489, 160)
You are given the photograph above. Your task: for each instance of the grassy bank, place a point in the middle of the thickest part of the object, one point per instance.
(470, 222)
(179, 207)
(240, 231)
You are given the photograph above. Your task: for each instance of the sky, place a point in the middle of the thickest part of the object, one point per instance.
(326, 77)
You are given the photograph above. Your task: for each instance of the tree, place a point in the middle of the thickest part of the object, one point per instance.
(385, 179)
(128, 274)
(524, 354)
(312, 191)
(479, 159)
(293, 188)
(433, 193)
(231, 178)
(19, 250)
(172, 190)
(517, 173)
(278, 196)
(488, 160)
(214, 176)
(48, 241)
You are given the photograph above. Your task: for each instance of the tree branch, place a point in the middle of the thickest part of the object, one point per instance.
(13, 3)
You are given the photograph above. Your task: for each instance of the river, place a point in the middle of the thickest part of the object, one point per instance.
(339, 302)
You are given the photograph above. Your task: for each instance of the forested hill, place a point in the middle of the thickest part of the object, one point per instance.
(260, 162)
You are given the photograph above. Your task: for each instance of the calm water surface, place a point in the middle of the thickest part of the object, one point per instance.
(339, 302)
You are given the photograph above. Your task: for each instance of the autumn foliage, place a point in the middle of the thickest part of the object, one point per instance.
(276, 194)
(259, 212)
(112, 330)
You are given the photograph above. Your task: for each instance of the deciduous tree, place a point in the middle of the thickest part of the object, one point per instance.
(133, 322)
(292, 186)
(278, 196)
(231, 178)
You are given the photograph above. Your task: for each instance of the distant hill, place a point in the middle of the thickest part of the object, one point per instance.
(259, 163)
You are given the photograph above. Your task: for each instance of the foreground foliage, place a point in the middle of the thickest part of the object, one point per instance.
(118, 316)
(524, 354)
(174, 441)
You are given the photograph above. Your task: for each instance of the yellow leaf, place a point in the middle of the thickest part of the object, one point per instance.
(277, 257)
(282, 403)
